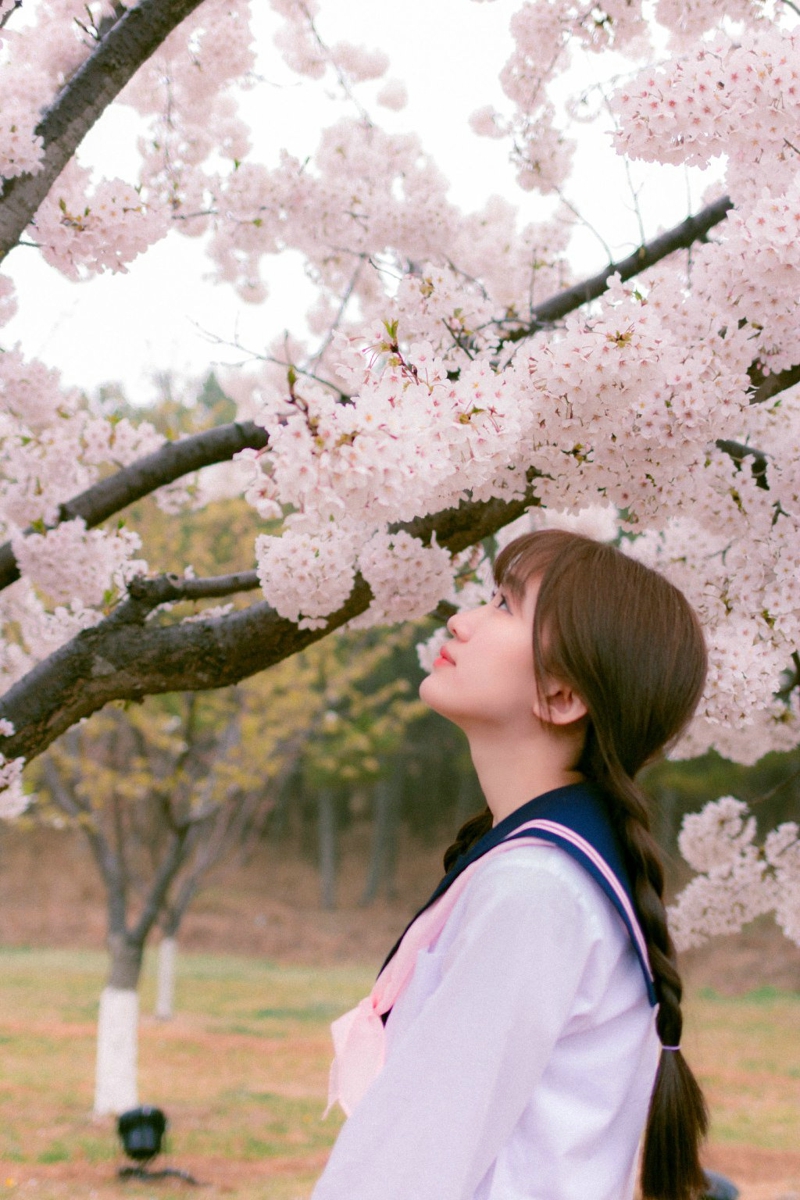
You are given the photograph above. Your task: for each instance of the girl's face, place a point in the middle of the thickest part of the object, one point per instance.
(484, 674)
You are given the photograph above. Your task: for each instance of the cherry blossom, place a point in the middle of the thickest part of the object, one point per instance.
(737, 879)
(430, 371)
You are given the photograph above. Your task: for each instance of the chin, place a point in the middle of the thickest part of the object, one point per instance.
(430, 694)
(436, 699)
(425, 690)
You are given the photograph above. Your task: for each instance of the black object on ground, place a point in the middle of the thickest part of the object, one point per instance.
(142, 1131)
(719, 1188)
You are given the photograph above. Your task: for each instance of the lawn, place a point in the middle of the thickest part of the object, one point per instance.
(241, 1072)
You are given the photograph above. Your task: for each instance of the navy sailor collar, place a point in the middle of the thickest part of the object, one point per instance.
(574, 817)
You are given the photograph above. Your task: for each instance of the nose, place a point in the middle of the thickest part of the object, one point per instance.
(460, 623)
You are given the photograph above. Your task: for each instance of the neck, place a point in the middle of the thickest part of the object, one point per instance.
(512, 774)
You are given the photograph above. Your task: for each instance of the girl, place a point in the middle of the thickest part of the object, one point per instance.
(509, 1049)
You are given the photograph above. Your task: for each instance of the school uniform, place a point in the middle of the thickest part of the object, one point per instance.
(521, 1053)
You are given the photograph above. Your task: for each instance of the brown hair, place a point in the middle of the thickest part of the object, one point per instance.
(628, 642)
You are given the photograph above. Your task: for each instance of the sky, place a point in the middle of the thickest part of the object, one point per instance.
(165, 315)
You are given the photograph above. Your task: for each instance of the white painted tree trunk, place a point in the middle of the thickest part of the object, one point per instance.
(117, 1033)
(165, 994)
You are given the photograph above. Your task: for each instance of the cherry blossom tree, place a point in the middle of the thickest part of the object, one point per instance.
(455, 382)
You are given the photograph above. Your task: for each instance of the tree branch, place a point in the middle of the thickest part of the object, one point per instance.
(167, 588)
(146, 475)
(677, 238)
(6, 15)
(767, 386)
(125, 657)
(179, 847)
(99, 80)
(739, 452)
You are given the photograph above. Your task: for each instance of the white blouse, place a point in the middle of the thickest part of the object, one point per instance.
(521, 1057)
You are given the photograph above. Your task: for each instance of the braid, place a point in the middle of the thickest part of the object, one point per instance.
(629, 644)
(677, 1120)
(469, 833)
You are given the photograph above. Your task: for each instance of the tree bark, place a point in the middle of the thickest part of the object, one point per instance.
(126, 961)
(99, 80)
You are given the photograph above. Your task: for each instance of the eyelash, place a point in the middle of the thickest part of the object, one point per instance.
(503, 601)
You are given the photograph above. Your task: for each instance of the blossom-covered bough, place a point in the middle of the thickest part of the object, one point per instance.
(454, 382)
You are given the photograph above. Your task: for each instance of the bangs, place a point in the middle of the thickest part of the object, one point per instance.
(528, 557)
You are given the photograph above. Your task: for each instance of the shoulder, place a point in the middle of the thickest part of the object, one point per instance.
(536, 884)
(540, 868)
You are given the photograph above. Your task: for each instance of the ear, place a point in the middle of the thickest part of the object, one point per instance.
(560, 704)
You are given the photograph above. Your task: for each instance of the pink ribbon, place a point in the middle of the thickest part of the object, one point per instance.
(359, 1037)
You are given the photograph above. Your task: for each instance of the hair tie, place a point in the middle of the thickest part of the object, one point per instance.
(673, 1048)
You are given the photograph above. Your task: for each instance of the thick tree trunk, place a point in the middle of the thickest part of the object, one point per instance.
(326, 841)
(117, 1030)
(165, 992)
(117, 1049)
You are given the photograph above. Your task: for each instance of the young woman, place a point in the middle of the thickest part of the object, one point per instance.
(525, 1031)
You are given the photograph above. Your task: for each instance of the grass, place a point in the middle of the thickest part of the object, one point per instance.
(242, 1072)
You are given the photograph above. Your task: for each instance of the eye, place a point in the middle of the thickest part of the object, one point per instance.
(501, 602)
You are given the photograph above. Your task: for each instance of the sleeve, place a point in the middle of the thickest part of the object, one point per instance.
(461, 1074)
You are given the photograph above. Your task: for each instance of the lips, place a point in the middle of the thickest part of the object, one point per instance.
(446, 655)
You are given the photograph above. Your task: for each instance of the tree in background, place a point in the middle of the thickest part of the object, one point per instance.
(164, 790)
(157, 798)
(456, 381)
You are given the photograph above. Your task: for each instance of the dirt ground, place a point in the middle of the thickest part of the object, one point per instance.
(268, 906)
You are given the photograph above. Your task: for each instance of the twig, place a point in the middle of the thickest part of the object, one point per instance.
(166, 588)
(5, 17)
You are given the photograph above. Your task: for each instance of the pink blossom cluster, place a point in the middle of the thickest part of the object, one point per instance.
(402, 447)
(8, 300)
(306, 53)
(688, 20)
(187, 91)
(70, 562)
(407, 578)
(629, 408)
(13, 799)
(306, 576)
(754, 272)
(737, 879)
(119, 442)
(545, 34)
(33, 630)
(52, 446)
(83, 233)
(736, 97)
